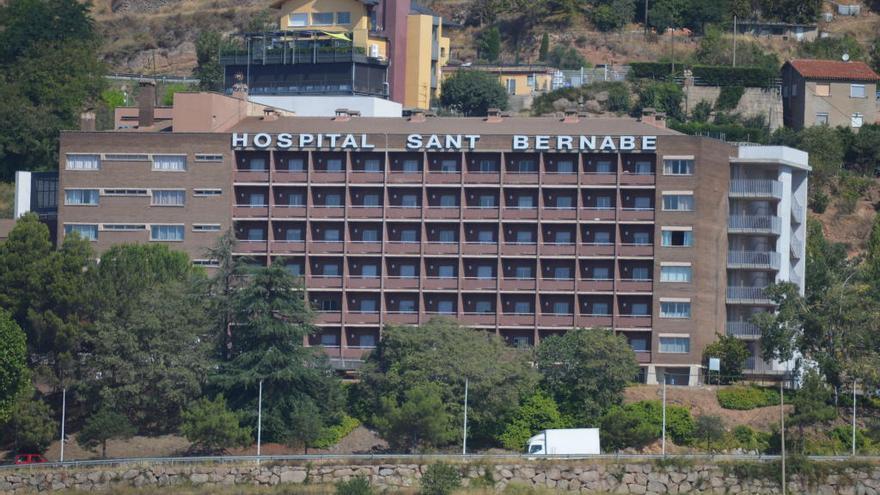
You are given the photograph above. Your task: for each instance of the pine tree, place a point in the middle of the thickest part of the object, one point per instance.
(545, 47)
(272, 321)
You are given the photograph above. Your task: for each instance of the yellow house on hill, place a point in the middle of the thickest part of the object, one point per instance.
(408, 37)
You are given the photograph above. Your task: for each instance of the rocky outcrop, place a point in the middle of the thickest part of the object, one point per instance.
(642, 478)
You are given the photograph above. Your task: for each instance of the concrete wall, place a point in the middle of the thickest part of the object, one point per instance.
(605, 476)
(754, 101)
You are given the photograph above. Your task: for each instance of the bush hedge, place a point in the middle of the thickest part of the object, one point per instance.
(331, 435)
(728, 132)
(750, 77)
(640, 423)
(744, 398)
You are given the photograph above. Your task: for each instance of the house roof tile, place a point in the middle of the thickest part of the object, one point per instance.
(834, 69)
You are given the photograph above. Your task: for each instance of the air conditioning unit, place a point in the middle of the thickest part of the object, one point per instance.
(374, 50)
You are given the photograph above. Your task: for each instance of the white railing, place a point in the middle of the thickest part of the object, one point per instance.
(747, 294)
(755, 223)
(743, 329)
(754, 259)
(757, 188)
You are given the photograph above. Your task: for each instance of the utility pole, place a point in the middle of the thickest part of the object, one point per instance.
(734, 41)
(663, 437)
(646, 19)
(464, 429)
(259, 419)
(854, 421)
(782, 429)
(63, 417)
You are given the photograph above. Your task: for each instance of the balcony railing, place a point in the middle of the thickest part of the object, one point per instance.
(743, 329)
(756, 295)
(755, 188)
(758, 224)
(753, 259)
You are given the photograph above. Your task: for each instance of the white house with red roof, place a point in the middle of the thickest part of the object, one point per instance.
(829, 92)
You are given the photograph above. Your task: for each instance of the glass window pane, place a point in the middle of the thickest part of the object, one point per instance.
(446, 271)
(322, 18)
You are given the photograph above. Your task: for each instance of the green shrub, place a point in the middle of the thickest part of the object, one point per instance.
(748, 439)
(701, 111)
(818, 202)
(359, 485)
(728, 132)
(650, 70)
(750, 77)
(637, 424)
(729, 97)
(744, 398)
(331, 435)
(440, 479)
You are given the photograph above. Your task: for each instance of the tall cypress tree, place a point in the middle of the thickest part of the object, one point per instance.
(272, 321)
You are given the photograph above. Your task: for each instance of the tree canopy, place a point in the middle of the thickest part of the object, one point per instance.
(442, 354)
(473, 93)
(586, 370)
(271, 322)
(49, 73)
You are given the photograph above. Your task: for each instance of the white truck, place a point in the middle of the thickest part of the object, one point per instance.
(572, 441)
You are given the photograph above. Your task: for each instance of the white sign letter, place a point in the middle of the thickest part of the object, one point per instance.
(414, 141)
(649, 143)
(627, 142)
(262, 140)
(520, 142)
(284, 140)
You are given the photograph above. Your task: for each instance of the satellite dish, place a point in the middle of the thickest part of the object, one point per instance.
(845, 57)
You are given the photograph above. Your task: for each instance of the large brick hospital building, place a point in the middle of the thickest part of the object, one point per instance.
(524, 227)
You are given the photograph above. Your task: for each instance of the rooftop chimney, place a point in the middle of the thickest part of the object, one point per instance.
(570, 116)
(653, 118)
(417, 115)
(146, 103)
(87, 121)
(270, 114)
(493, 115)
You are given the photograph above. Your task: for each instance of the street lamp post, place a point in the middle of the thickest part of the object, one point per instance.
(464, 428)
(259, 419)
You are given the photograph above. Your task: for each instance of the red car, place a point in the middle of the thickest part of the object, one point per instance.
(29, 459)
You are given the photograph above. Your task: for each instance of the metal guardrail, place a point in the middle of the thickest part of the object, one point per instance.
(123, 76)
(411, 457)
(754, 223)
(747, 294)
(755, 188)
(754, 259)
(743, 329)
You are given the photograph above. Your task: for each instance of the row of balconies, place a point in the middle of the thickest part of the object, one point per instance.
(245, 246)
(438, 177)
(245, 211)
(566, 321)
(476, 283)
(413, 166)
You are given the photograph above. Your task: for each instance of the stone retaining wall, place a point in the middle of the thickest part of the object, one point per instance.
(646, 477)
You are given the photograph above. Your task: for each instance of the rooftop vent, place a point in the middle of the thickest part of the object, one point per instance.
(570, 116)
(417, 115)
(493, 115)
